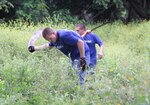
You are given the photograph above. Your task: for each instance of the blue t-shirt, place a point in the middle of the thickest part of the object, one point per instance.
(92, 39)
(67, 43)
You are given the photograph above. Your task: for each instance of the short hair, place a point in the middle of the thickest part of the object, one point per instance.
(82, 26)
(47, 31)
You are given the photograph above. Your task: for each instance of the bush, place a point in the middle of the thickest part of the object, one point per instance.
(45, 77)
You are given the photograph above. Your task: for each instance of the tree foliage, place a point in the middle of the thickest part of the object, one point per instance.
(93, 10)
(5, 5)
(27, 9)
(31, 9)
(90, 10)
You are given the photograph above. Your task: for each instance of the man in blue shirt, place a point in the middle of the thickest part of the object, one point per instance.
(91, 39)
(70, 43)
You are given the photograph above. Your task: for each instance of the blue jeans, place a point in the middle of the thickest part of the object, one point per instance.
(92, 63)
(79, 72)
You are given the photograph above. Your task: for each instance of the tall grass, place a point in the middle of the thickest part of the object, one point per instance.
(46, 77)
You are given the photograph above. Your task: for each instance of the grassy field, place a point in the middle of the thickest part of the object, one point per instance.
(41, 78)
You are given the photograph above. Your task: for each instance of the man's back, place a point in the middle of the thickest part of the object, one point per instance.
(67, 43)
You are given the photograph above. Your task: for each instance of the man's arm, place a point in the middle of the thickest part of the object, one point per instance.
(42, 47)
(33, 39)
(101, 45)
(37, 48)
(100, 54)
(80, 45)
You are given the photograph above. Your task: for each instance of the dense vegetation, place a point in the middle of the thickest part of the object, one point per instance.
(89, 10)
(45, 77)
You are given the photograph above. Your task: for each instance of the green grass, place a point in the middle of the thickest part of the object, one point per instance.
(41, 78)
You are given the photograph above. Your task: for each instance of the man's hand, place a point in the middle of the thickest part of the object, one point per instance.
(88, 31)
(83, 63)
(31, 49)
(100, 55)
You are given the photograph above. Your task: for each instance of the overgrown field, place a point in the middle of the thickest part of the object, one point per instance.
(46, 78)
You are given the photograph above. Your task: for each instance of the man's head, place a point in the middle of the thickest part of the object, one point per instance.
(80, 28)
(49, 34)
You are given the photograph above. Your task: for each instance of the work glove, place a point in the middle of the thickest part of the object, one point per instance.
(31, 49)
(82, 63)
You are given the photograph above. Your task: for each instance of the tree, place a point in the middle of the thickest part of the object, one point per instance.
(31, 9)
(5, 5)
(90, 10)
(137, 9)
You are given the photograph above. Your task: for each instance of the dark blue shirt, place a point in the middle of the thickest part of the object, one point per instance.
(92, 39)
(67, 43)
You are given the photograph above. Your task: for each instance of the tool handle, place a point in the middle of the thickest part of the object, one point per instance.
(100, 25)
